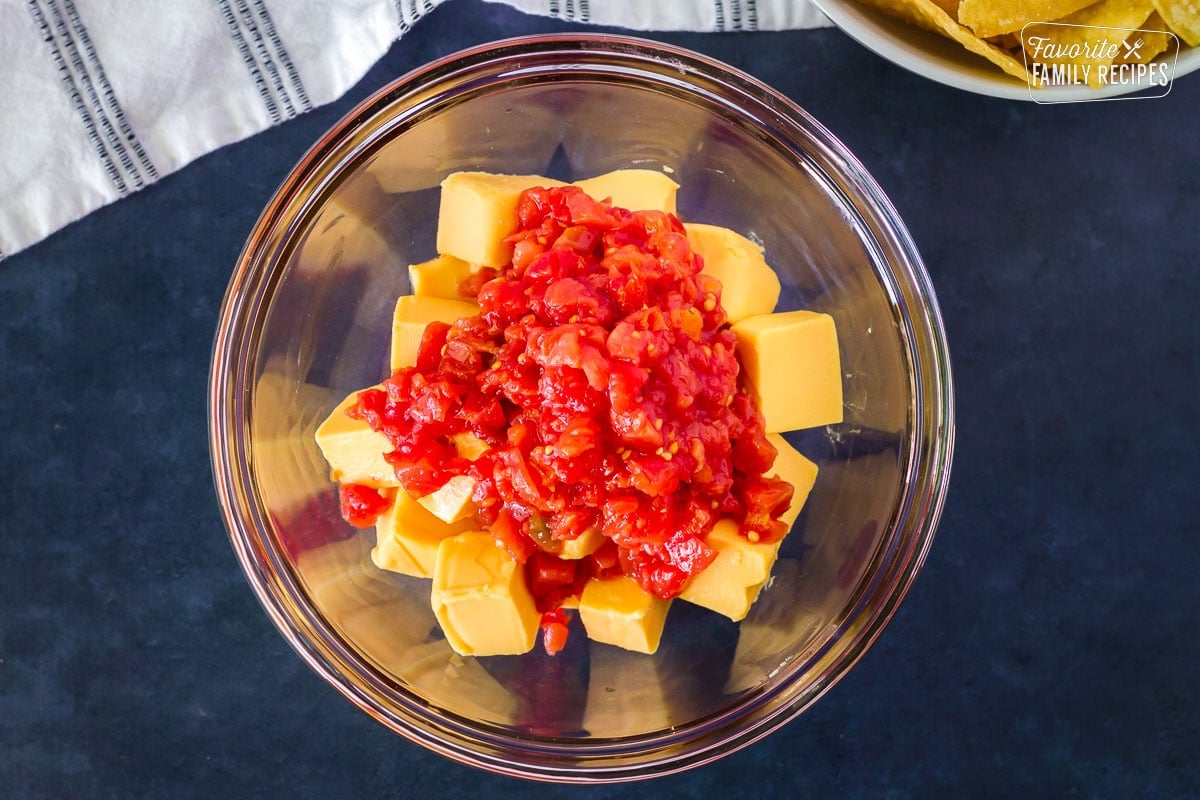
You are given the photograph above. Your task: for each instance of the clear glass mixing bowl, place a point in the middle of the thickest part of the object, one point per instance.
(306, 320)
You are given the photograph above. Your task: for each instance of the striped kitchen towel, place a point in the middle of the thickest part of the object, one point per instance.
(100, 98)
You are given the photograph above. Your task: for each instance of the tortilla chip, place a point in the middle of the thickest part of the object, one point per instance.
(1006, 41)
(1091, 29)
(993, 17)
(927, 14)
(1182, 17)
(1154, 41)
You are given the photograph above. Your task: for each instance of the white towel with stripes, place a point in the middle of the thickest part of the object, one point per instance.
(100, 98)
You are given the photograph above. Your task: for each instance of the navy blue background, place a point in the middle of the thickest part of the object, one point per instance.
(1048, 649)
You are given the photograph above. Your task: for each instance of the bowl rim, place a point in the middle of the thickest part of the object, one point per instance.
(869, 27)
(258, 270)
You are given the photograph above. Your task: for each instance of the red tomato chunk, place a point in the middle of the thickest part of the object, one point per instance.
(602, 374)
(361, 505)
(554, 630)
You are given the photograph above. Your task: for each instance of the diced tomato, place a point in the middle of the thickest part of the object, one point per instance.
(606, 561)
(688, 553)
(429, 352)
(765, 500)
(554, 630)
(551, 579)
(361, 505)
(470, 285)
(506, 531)
(602, 375)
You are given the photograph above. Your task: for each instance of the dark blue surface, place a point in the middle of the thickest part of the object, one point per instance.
(1050, 647)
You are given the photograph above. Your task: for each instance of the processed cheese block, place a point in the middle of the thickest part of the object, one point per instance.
(408, 535)
(468, 445)
(634, 189)
(793, 467)
(748, 285)
(480, 598)
(353, 450)
(439, 277)
(452, 502)
(413, 314)
(616, 611)
(582, 545)
(478, 210)
(730, 584)
(793, 365)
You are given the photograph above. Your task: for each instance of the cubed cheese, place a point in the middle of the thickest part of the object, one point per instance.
(468, 445)
(452, 502)
(353, 450)
(730, 584)
(439, 277)
(413, 314)
(616, 611)
(480, 598)
(582, 545)
(793, 365)
(634, 189)
(478, 210)
(748, 285)
(793, 467)
(408, 535)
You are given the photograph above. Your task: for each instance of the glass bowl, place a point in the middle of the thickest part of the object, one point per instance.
(306, 320)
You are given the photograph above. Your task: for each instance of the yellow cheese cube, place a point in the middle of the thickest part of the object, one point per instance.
(794, 369)
(413, 314)
(582, 545)
(797, 470)
(478, 210)
(616, 611)
(730, 584)
(452, 502)
(353, 450)
(407, 537)
(748, 285)
(439, 277)
(634, 189)
(480, 598)
(468, 445)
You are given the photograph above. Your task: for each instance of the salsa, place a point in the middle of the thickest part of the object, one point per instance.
(600, 372)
